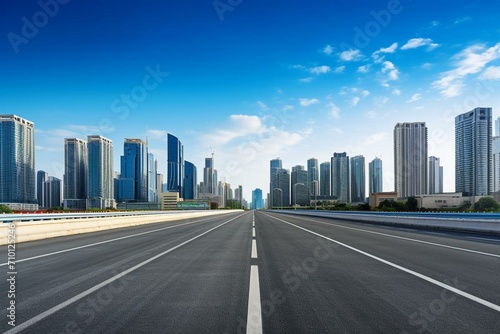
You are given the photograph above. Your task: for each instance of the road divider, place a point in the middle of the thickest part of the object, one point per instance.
(37, 230)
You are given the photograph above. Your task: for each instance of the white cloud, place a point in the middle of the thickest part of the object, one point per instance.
(339, 69)
(355, 101)
(262, 105)
(365, 93)
(418, 42)
(334, 110)
(464, 19)
(396, 91)
(351, 55)
(238, 126)
(306, 80)
(414, 97)
(320, 70)
(288, 107)
(364, 69)
(377, 54)
(328, 49)
(157, 134)
(491, 73)
(376, 138)
(426, 66)
(392, 73)
(308, 102)
(471, 60)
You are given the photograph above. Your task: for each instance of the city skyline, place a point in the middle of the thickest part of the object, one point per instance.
(333, 78)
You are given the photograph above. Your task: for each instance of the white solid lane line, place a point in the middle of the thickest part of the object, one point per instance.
(409, 271)
(254, 249)
(254, 316)
(87, 292)
(102, 242)
(403, 238)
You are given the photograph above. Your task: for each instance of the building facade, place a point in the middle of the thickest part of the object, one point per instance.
(41, 177)
(325, 178)
(133, 184)
(313, 176)
(358, 184)
(473, 157)
(375, 176)
(175, 164)
(435, 176)
(410, 159)
(340, 177)
(190, 180)
(257, 201)
(275, 166)
(300, 186)
(100, 173)
(17, 163)
(75, 173)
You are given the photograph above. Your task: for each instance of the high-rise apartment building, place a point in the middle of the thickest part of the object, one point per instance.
(495, 152)
(410, 159)
(190, 180)
(473, 157)
(275, 165)
(300, 186)
(209, 179)
(313, 176)
(375, 177)
(435, 176)
(175, 165)
(325, 178)
(100, 173)
(75, 173)
(358, 184)
(52, 192)
(41, 177)
(17, 160)
(281, 192)
(340, 177)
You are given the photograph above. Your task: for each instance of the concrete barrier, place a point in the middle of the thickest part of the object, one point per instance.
(37, 230)
(475, 225)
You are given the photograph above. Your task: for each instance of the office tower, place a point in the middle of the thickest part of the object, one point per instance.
(52, 192)
(375, 177)
(208, 176)
(313, 176)
(75, 173)
(175, 165)
(100, 172)
(190, 180)
(340, 177)
(239, 198)
(151, 171)
(410, 159)
(133, 184)
(358, 186)
(41, 177)
(497, 127)
(257, 202)
(325, 178)
(435, 176)
(473, 157)
(116, 186)
(159, 186)
(300, 186)
(495, 152)
(17, 160)
(281, 191)
(275, 165)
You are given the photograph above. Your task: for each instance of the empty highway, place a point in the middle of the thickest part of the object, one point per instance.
(256, 272)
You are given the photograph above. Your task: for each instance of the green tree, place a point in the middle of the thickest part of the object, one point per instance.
(5, 209)
(486, 204)
(466, 205)
(411, 204)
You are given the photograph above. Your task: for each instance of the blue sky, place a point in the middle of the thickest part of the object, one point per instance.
(250, 80)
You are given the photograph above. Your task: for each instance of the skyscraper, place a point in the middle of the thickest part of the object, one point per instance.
(410, 159)
(435, 176)
(495, 152)
(340, 177)
(100, 173)
(275, 165)
(190, 180)
(300, 186)
(41, 177)
(281, 192)
(52, 189)
(358, 186)
(175, 165)
(257, 202)
(75, 173)
(375, 176)
(17, 160)
(208, 177)
(151, 171)
(473, 147)
(325, 178)
(313, 176)
(133, 184)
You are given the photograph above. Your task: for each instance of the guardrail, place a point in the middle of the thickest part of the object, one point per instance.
(477, 223)
(7, 218)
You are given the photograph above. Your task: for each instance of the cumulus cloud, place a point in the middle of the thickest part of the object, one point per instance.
(328, 49)
(491, 73)
(334, 110)
(390, 71)
(262, 105)
(320, 70)
(414, 97)
(419, 42)
(351, 55)
(469, 61)
(379, 55)
(355, 101)
(364, 69)
(308, 102)
(237, 126)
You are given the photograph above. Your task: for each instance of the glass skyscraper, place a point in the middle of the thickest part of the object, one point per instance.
(473, 157)
(300, 186)
(275, 166)
(100, 173)
(435, 176)
(17, 160)
(257, 202)
(41, 177)
(375, 177)
(325, 178)
(358, 192)
(133, 184)
(190, 180)
(75, 173)
(340, 177)
(175, 165)
(410, 159)
(313, 176)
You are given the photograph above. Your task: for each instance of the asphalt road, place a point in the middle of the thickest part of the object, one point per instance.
(288, 274)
